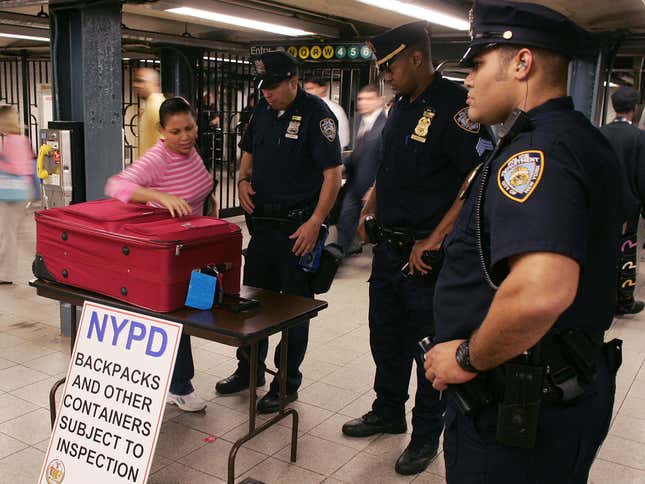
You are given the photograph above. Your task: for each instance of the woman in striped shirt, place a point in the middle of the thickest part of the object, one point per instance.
(171, 174)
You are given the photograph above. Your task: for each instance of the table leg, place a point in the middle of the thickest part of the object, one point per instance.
(72, 328)
(253, 384)
(282, 413)
(269, 423)
(282, 371)
(52, 393)
(52, 400)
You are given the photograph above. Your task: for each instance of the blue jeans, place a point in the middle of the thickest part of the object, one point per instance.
(184, 369)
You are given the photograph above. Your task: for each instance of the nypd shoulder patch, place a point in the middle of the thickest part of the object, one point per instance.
(328, 129)
(518, 176)
(465, 123)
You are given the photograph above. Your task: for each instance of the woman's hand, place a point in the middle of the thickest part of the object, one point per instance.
(177, 207)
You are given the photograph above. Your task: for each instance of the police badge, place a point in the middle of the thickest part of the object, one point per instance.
(294, 127)
(424, 123)
(328, 129)
(465, 123)
(518, 176)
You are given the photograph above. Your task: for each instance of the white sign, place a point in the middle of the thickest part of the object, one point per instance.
(114, 398)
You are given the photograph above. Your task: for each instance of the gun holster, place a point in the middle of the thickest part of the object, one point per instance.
(518, 413)
(372, 230)
(613, 353)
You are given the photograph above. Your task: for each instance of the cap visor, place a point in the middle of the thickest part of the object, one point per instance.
(467, 59)
(269, 82)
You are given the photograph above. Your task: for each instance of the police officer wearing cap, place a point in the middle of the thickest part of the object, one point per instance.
(428, 147)
(289, 178)
(526, 291)
(629, 143)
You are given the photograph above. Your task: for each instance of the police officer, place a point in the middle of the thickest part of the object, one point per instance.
(289, 178)
(429, 146)
(526, 290)
(629, 143)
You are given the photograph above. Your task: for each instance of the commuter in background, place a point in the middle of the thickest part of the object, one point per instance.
(16, 171)
(629, 144)
(147, 86)
(318, 87)
(172, 175)
(361, 166)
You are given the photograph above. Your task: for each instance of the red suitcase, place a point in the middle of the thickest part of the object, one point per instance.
(132, 252)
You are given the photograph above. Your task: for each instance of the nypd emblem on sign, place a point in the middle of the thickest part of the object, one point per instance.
(328, 129)
(520, 174)
(465, 123)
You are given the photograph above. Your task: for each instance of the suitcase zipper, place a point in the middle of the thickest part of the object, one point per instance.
(178, 248)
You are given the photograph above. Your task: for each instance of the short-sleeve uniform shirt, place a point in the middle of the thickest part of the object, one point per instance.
(553, 188)
(291, 149)
(429, 145)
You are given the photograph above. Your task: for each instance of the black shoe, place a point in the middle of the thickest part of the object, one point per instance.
(370, 424)
(235, 383)
(416, 458)
(270, 403)
(635, 308)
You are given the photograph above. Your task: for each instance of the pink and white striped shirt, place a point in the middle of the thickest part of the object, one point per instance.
(16, 156)
(161, 169)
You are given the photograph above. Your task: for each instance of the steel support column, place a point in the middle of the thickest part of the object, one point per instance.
(86, 64)
(179, 71)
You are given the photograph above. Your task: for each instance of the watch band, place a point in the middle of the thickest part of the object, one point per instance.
(462, 355)
(245, 179)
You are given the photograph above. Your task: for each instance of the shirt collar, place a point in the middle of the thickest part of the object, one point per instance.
(370, 119)
(556, 104)
(620, 119)
(426, 95)
(292, 107)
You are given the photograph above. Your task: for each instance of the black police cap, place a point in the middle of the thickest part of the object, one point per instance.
(625, 99)
(500, 22)
(274, 67)
(387, 45)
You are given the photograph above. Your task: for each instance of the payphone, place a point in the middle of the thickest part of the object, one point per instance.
(61, 164)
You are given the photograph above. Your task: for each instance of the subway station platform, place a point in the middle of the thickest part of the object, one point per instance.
(338, 374)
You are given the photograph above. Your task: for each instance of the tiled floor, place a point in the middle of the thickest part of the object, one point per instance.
(338, 373)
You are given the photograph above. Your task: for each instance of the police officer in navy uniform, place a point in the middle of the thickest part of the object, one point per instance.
(289, 178)
(526, 290)
(429, 146)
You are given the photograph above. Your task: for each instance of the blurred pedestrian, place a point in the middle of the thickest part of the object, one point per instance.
(16, 186)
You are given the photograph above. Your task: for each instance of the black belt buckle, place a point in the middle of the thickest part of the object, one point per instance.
(297, 214)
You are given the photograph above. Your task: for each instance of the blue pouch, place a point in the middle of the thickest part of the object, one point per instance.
(310, 261)
(201, 291)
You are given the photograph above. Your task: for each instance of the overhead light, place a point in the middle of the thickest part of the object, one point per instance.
(429, 14)
(25, 37)
(239, 21)
(231, 61)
